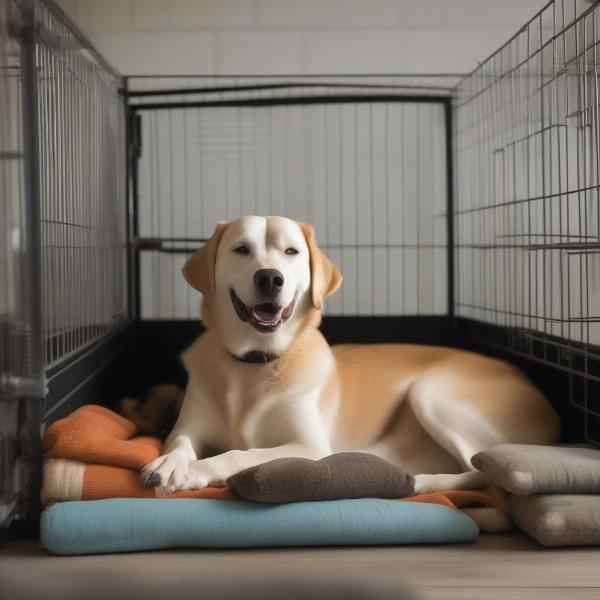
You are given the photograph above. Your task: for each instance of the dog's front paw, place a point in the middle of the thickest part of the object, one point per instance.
(201, 474)
(167, 473)
(425, 484)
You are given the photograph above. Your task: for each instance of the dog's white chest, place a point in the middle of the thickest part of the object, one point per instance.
(248, 406)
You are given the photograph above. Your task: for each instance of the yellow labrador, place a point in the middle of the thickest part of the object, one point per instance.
(264, 384)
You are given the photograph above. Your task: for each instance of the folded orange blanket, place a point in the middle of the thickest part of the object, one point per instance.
(92, 455)
(94, 434)
(66, 479)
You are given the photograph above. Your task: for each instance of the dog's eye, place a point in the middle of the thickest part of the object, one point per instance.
(291, 251)
(242, 250)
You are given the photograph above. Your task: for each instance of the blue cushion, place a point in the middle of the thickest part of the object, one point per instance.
(129, 524)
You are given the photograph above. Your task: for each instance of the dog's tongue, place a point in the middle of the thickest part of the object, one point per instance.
(267, 313)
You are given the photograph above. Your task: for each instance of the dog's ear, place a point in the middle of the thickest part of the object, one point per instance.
(324, 275)
(199, 270)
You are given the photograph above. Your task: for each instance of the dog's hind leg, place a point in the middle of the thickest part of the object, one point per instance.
(469, 480)
(457, 429)
(471, 403)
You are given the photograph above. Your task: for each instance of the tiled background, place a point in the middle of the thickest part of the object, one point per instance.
(298, 36)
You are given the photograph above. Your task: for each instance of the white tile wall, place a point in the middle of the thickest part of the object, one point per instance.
(323, 14)
(149, 14)
(108, 15)
(298, 36)
(191, 14)
(353, 52)
(269, 53)
(148, 53)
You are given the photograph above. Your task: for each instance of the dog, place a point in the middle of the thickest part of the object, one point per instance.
(264, 383)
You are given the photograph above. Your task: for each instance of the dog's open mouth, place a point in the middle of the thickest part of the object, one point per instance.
(265, 317)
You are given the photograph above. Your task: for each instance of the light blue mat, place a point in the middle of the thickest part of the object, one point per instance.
(129, 524)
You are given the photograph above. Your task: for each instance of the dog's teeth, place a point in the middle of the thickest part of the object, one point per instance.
(267, 318)
(268, 323)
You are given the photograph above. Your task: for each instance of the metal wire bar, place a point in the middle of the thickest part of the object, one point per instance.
(285, 101)
(359, 87)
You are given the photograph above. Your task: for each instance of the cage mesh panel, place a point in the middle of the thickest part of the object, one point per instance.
(13, 361)
(370, 177)
(82, 170)
(527, 218)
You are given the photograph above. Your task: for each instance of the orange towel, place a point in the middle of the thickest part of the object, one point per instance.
(490, 497)
(94, 434)
(101, 481)
(92, 455)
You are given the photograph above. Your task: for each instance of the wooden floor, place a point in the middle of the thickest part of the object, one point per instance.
(501, 566)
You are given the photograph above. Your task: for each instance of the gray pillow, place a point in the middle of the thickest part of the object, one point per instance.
(335, 477)
(526, 469)
(557, 519)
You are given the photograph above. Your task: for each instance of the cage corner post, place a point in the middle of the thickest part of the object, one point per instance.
(450, 166)
(133, 148)
(133, 142)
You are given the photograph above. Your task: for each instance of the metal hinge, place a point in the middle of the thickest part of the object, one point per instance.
(12, 386)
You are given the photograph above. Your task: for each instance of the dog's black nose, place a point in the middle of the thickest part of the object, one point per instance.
(268, 281)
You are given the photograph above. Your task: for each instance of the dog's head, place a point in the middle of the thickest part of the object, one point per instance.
(262, 279)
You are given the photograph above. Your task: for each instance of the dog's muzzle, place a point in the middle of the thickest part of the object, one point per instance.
(265, 317)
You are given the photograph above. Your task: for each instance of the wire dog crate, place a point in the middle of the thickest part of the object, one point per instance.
(462, 211)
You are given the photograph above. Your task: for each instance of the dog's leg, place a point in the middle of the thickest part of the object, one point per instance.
(456, 429)
(470, 480)
(215, 470)
(183, 444)
(462, 434)
(302, 426)
(168, 471)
